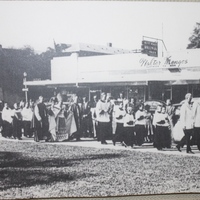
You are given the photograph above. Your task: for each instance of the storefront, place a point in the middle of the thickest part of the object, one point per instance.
(135, 75)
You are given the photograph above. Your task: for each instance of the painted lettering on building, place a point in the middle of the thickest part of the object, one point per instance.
(149, 63)
(165, 62)
(174, 63)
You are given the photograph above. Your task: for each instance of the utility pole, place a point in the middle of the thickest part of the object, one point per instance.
(25, 89)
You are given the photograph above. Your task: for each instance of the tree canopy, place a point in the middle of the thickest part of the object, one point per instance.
(14, 62)
(195, 38)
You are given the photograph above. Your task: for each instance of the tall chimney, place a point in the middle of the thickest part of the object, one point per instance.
(109, 44)
(1, 50)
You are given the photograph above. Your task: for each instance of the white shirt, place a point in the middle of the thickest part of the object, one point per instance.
(139, 114)
(127, 118)
(156, 118)
(27, 114)
(186, 116)
(7, 115)
(163, 117)
(119, 112)
(102, 109)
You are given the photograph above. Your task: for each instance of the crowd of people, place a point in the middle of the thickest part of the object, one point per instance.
(105, 118)
(52, 121)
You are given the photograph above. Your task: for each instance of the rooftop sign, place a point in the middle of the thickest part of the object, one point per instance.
(149, 48)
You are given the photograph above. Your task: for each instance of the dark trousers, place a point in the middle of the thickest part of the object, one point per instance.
(27, 128)
(140, 131)
(159, 138)
(166, 137)
(162, 137)
(128, 136)
(86, 127)
(97, 131)
(42, 129)
(17, 128)
(197, 136)
(7, 129)
(186, 139)
(103, 130)
(118, 136)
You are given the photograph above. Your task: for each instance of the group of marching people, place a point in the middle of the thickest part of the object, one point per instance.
(136, 125)
(133, 124)
(25, 118)
(13, 120)
(45, 122)
(135, 128)
(57, 121)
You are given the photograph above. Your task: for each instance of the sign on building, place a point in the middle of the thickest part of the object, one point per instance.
(149, 48)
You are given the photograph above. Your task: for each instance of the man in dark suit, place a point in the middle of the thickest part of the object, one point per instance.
(86, 123)
(75, 108)
(41, 122)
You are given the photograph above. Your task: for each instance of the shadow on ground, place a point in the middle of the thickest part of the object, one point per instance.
(19, 170)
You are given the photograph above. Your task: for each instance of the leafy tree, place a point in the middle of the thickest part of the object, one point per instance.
(14, 62)
(59, 48)
(195, 38)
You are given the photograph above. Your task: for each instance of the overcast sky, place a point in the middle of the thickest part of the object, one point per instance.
(123, 24)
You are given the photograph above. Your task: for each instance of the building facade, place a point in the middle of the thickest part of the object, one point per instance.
(90, 69)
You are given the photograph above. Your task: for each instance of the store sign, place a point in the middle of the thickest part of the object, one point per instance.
(149, 48)
(165, 62)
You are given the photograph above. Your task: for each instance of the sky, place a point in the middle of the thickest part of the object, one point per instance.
(122, 23)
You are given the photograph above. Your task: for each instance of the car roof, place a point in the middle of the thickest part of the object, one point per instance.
(154, 100)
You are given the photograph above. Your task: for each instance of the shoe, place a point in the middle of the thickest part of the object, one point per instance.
(45, 138)
(191, 152)
(19, 138)
(132, 146)
(104, 142)
(41, 141)
(123, 144)
(178, 147)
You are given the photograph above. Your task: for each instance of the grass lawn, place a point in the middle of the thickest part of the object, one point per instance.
(32, 170)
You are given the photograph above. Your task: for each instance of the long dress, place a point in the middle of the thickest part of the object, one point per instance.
(128, 126)
(75, 110)
(62, 123)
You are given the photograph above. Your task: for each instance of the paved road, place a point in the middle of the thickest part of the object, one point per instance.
(88, 142)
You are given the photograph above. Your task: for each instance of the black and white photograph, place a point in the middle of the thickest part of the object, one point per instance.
(99, 99)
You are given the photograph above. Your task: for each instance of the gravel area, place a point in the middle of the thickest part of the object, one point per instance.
(33, 170)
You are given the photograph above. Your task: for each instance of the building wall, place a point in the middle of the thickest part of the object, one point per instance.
(170, 76)
(127, 67)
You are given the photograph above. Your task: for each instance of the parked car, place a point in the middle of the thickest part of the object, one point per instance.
(154, 104)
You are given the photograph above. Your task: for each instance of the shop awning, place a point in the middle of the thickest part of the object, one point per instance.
(49, 83)
(108, 78)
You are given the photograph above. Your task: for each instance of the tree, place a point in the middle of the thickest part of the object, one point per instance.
(14, 62)
(49, 53)
(195, 38)
(60, 48)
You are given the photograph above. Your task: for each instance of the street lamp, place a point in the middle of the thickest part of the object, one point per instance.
(25, 89)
